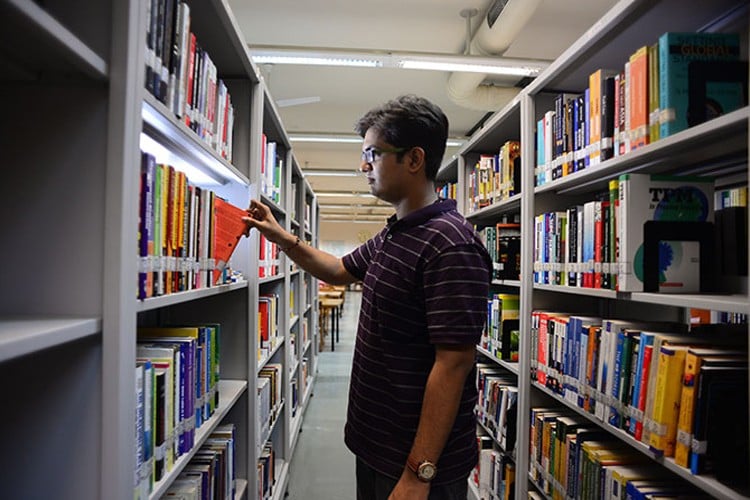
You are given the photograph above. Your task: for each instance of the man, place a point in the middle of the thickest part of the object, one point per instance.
(425, 281)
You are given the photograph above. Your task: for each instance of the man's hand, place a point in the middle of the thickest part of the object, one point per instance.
(410, 488)
(259, 216)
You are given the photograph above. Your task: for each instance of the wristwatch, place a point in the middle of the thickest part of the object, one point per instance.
(425, 470)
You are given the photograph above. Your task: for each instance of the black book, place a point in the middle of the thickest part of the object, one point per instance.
(608, 118)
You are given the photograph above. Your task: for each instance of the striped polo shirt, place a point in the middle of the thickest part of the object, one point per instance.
(425, 282)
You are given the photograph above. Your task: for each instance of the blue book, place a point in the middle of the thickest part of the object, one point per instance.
(586, 126)
(676, 52)
(646, 339)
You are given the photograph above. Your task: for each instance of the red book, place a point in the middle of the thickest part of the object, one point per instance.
(642, 392)
(229, 229)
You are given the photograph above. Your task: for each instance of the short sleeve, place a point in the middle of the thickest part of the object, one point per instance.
(358, 260)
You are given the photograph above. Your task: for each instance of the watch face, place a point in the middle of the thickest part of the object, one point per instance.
(427, 471)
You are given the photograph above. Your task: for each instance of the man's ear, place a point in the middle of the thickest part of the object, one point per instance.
(415, 159)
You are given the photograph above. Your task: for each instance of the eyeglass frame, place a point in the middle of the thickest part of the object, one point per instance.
(369, 154)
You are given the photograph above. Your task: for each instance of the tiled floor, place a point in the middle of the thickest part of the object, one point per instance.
(322, 467)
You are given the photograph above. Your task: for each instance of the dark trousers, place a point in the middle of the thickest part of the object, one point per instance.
(372, 485)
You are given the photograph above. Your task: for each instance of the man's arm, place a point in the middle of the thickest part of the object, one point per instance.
(320, 264)
(442, 398)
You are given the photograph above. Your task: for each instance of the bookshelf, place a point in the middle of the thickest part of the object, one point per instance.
(717, 148)
(77, 118)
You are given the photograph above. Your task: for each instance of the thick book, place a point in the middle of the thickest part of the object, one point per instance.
(229, 230)
(694, 359)
(676, 52)
(720, 432)
(644, 197)
(667, 400)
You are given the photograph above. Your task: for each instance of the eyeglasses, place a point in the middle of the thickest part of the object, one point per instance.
(370, 155)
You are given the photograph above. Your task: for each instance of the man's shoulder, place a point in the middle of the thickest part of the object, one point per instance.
(452, 228)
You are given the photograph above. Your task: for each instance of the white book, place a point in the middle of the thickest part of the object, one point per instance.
(646, 197)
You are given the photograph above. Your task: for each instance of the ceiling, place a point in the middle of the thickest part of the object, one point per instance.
(433, 26)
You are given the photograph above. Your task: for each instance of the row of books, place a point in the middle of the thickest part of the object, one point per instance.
(600, 244)
(495, 473)
(211, 472)
(268, 324)
(503, 242)
(181, 74)
(679, 81)
(268, 258)
(267, 473)
(570, 458)
(495, 177)
(186, 234)
(497, 404)
(270, 397)
(500, 335)
(271, 168)
(177, 374)
(654, 380)
(448, 191)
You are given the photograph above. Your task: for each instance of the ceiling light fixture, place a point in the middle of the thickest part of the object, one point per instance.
(347, 194)
(352, 139)
(404, 60)
(354, 207)
(315, 60)
(344, 139)
(329, 173)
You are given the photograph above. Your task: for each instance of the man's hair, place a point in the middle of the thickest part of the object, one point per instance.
(410, 121)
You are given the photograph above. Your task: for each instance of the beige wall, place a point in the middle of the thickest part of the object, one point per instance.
(340, 238)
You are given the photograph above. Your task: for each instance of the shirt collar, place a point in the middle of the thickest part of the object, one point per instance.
(422, 215)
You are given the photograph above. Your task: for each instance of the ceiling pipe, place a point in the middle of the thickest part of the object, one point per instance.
(492, 38)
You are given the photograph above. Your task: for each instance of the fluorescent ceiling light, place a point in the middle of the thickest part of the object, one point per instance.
(346, 139)
(316, 60)
(334, 194)
(469, 68)
(330, 173)
(355, 207)
(351, 139)
(403, 60)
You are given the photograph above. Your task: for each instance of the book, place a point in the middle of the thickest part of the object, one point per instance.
(676, 52)
(229, 230)
(667, 400)
(638, 83)
(694, 359)
(644, 197)
(720, 433)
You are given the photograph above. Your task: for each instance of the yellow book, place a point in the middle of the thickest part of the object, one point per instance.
(653, 92)
(667, 399)
(694, 359)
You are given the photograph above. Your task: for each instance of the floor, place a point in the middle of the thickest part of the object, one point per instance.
(322, 467)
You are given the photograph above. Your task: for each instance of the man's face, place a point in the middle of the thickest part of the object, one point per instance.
(386, 175)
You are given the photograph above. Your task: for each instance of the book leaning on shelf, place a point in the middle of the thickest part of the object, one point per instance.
(186, 233)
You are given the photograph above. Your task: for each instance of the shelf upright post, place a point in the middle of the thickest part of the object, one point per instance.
(527, 247)
(121, 223)
(256, 145)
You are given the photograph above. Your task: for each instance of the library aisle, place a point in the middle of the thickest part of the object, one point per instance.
(322, 467)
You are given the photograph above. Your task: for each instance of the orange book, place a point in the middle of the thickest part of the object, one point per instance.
(639, 124)
(228, 230)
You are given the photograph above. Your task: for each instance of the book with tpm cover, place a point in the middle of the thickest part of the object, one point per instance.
(644, 197)
(229, 229)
